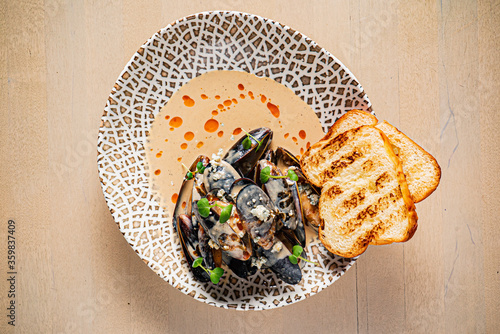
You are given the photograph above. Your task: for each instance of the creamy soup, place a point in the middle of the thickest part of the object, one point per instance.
(210, 112)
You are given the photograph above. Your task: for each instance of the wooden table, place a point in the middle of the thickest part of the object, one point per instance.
(430, 68)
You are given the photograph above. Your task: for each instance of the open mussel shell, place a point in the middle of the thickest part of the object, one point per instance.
(285, 196)
(187, 229)
(307, 193)
(189, 241)
(277, 260)
(284, 158)
(244, 160)
(256, 209)
(222, 234)
(219, 176)
(242, 269)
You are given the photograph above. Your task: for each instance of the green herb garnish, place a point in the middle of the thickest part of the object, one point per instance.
(247, 143)
(296, 252)
(215, 274)
(265, 174)
(199, 169)
(204, 210)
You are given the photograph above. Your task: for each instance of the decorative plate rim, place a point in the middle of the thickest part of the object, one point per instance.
(139, 140)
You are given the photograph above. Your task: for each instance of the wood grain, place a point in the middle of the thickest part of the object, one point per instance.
(429, 68)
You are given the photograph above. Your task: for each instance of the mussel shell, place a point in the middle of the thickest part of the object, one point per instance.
(205, 250)
(279, 263)
(244, 160)
(242, 269)
(284, 158)
(219, 176)
(222, 234)
(252, 197)
(310, 212)
(285, 196)
(189, 249)
(268, 155)
(187, 229)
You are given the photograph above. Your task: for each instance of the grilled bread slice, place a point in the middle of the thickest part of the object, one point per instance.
(365, 198)
(421, 169)
(350, 120)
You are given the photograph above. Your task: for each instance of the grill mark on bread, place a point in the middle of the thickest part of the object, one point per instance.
(372, 211)
(337, 166)
(333, 191)
(367, 166)
(379, 184)
(355, 200)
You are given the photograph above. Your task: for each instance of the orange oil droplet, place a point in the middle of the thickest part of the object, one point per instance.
(200, 144)
(286, 135)
(220, 133)
(188, 102)
(158, 155)
(171, 129)
(273, 109)
(227, 103)
(215, 112)
(294, 139)
(174, 198)
(211, 125)
(184, 146)
(167, 117)
(189, 136)
(237, 131)
(166, 140)
(251, 95)
(220, 106)
(204, 97)
(301, 150)
(179, 159)
(242, 96)
(157, 172)
(175, 122)
(235, 101)
(308, 145)
(217, 97)
(263, 98)
(183, 205)
(241, 87)
(151, 150)
(302, 134)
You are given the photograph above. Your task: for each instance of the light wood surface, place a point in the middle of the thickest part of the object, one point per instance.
(431, 68)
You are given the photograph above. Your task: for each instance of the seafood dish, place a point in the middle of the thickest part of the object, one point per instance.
(246, 210)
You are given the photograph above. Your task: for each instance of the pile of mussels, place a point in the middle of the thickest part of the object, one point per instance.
(266, 219)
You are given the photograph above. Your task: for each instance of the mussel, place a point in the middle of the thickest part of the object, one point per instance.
(187, 229)
(258, 212)
(244, 159)
(223, 235)
(265, 222)
(277, 260)
(308, 193)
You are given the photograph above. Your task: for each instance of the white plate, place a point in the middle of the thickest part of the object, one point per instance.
(193, 45)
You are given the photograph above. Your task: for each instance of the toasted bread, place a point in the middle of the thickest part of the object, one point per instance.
(421, 169)
(365, 198)
(350, 120)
